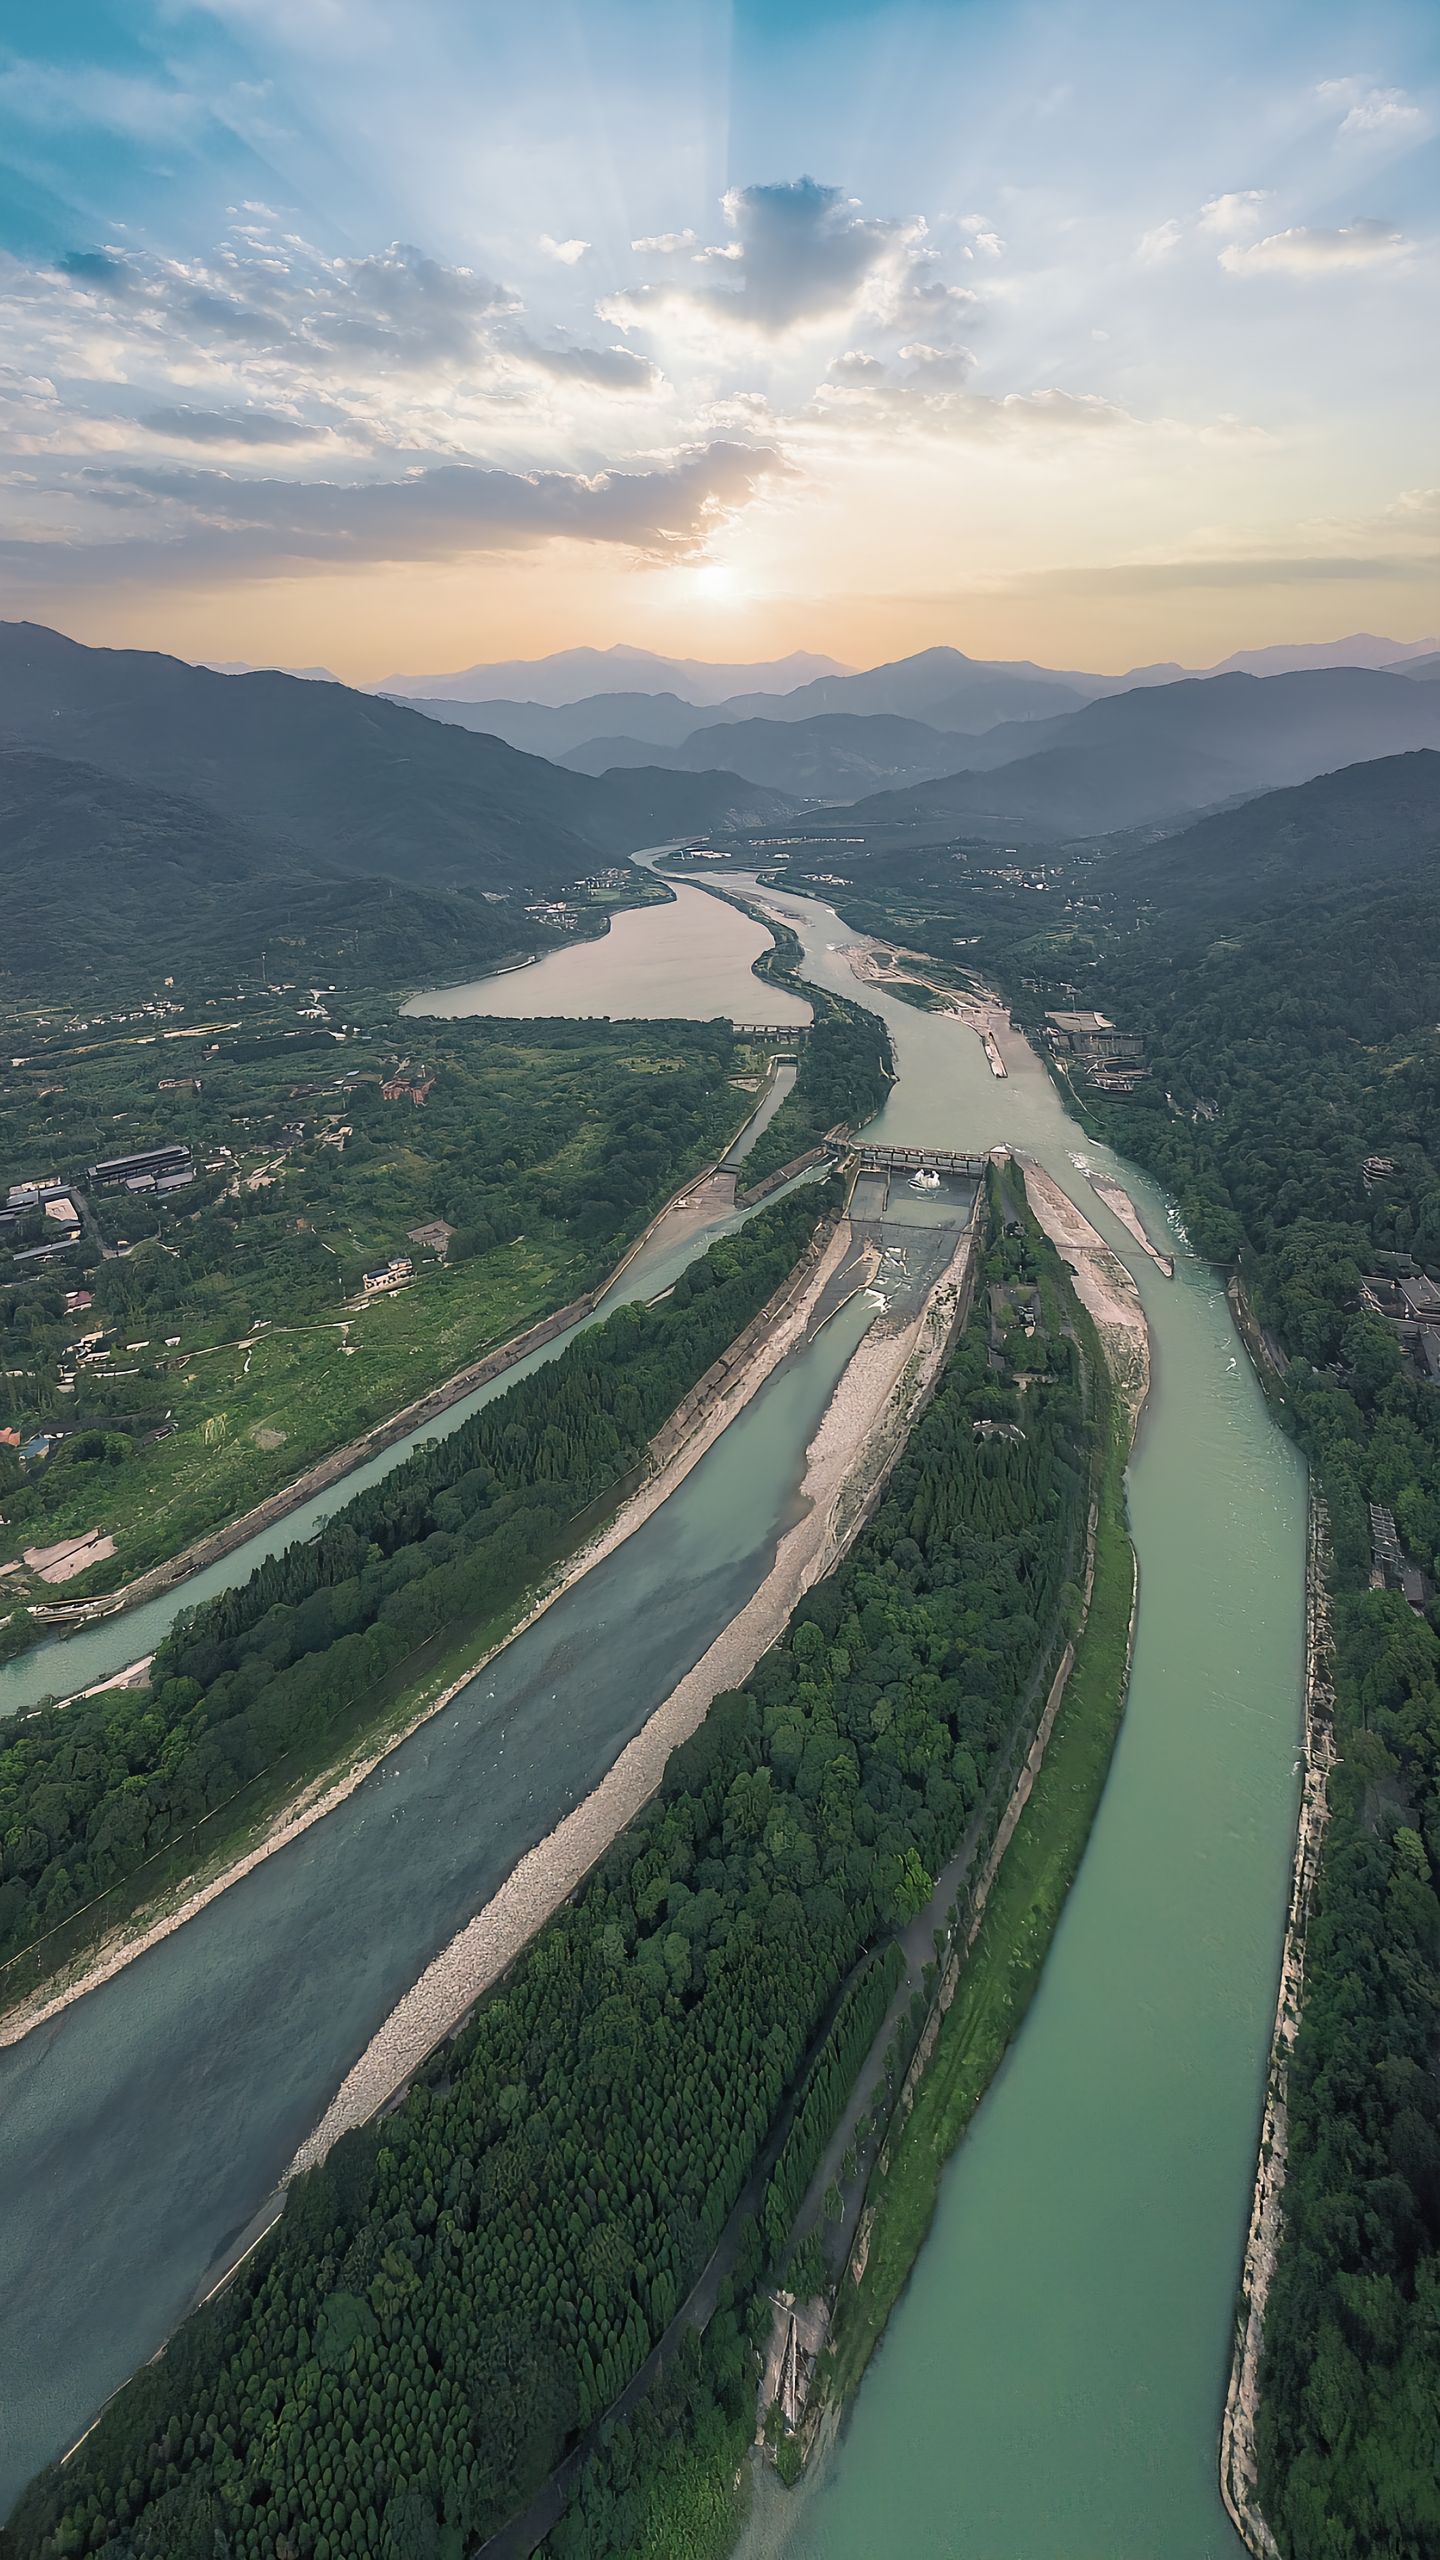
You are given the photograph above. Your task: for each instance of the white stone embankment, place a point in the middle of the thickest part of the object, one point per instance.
(1238, 2465)
(147, 1928)
(1103, 1286)
(859, 1437)
(1118, 1201)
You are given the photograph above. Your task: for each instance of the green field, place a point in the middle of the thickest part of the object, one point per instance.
(236, 1344)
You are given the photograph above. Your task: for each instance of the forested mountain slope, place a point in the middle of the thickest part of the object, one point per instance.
(1368, 822)
(355, 782)
(1149, 756)
(111, 884)
(831, 757)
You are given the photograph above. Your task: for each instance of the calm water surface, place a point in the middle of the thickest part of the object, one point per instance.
(1050, 2386)
(693, 958)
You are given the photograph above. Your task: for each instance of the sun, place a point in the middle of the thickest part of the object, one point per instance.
(714, 582)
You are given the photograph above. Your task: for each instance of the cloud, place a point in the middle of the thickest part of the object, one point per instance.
(1224, 217)
(666, 244)
(929, 394)
(1230, 217)
(801, 257)
(406, 311)
(203, 523)
(985, 240)
(601, 368)
(1389, 114)
(1259, 569)
(1304, 251)
(566, 253)
(1160, 243)
(228, 426)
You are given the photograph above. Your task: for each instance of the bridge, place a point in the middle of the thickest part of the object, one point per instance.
(909, 1159)
(782, 1031)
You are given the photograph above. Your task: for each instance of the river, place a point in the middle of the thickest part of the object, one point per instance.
(1052, 2381)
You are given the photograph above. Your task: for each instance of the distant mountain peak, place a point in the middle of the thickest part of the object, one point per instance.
(569, 675)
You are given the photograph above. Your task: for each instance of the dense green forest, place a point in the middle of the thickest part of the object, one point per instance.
(465, 2286)
(229, 1343)
(1290, 1019)
(282, 1664)
(114, 886)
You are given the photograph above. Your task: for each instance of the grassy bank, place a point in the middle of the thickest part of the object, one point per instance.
(1004, 1967)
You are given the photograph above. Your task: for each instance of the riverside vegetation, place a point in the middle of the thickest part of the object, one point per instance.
(232, 1324)
(465, 2287)
(101, 1800)
(1280, 961)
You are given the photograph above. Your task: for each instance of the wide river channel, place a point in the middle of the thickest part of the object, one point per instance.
(1051, 2383)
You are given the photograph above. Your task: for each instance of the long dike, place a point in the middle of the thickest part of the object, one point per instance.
(1239, 2485)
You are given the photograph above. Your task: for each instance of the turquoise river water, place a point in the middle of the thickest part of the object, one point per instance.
(1051, 2383)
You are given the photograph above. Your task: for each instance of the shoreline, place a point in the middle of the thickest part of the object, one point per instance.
(877, 1398)
(1237, 2451)
(787, 1318)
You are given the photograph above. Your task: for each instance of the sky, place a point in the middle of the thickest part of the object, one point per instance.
(396, 337)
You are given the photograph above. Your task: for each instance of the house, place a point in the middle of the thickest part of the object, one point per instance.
(144, 1171)
(389, 1275)
(64, 1214)
(1093, 1039)
(1420, 1299)
(434, 1236)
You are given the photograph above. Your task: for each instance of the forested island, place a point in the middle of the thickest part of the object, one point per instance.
(462, 2290)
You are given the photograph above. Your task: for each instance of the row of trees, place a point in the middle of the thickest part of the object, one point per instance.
(461, 2289)
(277, 1665)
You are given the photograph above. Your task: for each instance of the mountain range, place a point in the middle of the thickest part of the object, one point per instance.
(343, 778)
(1150, 757)
(568, 674)
(942, 690)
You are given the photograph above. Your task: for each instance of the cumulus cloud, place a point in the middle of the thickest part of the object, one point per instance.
(1233, 216)
(666, 244)
(566, 253)
(1224, 217)
(984, 240)
(1373, 113)
(202, 522)
(1305, 251)
(801, 256)
(1160, 242)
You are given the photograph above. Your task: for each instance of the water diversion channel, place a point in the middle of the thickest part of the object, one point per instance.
(1051, 2384)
